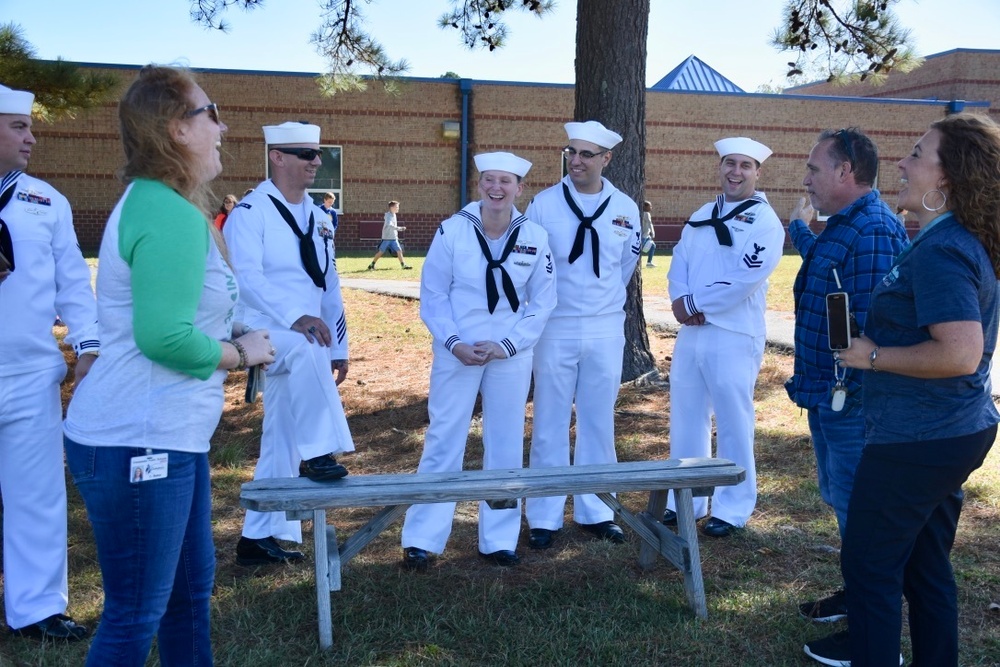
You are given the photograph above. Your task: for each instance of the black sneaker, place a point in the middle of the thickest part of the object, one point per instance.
(834, 650)
(829, 609)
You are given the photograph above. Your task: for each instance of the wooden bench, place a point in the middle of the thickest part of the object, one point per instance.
(301, 498)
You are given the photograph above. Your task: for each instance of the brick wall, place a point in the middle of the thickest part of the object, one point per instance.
(393, 146)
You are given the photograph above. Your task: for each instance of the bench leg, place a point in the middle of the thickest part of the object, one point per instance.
(327, 562)
(694, 586)
(654, 508)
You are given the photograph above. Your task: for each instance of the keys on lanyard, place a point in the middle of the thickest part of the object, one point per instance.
(839, 391)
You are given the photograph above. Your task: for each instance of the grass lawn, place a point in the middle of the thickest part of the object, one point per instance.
(581, 603)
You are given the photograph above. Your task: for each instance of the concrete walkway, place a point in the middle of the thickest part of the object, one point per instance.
(780, 324)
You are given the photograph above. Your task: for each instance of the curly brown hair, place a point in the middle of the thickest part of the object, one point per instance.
(969, 153)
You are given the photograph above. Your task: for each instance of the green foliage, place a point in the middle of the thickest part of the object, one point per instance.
(60, 88)
(848, 40)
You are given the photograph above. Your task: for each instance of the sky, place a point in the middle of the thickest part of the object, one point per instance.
(725, 34)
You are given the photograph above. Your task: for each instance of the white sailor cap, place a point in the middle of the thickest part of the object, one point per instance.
(502, 162)
(743, 146)
(15, 101)
(595, 133)
(292, 132)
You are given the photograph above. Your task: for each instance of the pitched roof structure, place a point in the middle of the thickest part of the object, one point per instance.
(693, 75)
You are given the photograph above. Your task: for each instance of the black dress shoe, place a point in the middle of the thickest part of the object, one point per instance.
(415, 559)
(322, 468)
(718, 528)
(605, 530)
(503, 558)
(54, 628)
(669, 518)
(540, 538)
(264, 551)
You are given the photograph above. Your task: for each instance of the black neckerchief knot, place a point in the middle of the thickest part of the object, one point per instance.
(307, 248)
(586, 222)
(492, 295)
(722, 232)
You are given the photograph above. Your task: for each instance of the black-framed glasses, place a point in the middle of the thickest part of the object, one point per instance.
(845, 141)
(212, 109)
(307, 154)
(569, 152)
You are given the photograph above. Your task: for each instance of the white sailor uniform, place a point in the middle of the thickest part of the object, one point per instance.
(50, 277)
(715, 365)
(303, 415)
(455, 302)
(579, 356)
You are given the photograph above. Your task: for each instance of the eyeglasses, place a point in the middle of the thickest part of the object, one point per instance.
(569, 153)
(212, 109)
(307, 154)
(845, 141)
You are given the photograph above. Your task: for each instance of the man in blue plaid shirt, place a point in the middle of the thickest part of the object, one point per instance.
(856, 249)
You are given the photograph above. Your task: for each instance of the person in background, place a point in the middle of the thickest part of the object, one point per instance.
(855, 250)
(593, 230)
(228, 202)
(41, 273)
(648, 233)
(925, 353)
(718, 284)
(390, 238)
(484, 334)
(329, 199)
(166, 300)
(281, 245)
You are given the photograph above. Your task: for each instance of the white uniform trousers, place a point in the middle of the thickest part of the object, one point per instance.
(589, 373)
(503, 384)
(33, 483)
(303, 419)
(715, 370)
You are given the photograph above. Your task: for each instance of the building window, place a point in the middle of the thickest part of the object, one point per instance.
(329, 178)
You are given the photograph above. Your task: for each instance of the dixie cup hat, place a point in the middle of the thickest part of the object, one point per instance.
(743, 146)
(15, 101)
(291, 133)
(502, 162)
(593, 132)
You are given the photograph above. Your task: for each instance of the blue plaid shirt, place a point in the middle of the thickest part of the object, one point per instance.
(860, 242)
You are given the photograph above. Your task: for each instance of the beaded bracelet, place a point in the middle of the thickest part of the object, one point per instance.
(243, 355)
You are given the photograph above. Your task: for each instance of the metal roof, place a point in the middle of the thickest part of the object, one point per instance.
(695, 76)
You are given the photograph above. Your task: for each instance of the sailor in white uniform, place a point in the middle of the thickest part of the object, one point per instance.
(281, 248)
(486, 291)
(717, 283)
(42, 274)
(594, 234)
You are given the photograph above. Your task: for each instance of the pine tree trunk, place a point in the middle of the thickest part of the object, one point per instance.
(611, 88)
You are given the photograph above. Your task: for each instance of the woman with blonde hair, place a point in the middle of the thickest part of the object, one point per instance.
(165, 297)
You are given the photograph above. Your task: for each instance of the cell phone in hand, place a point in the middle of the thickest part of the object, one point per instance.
(255, 383)
(838, 321)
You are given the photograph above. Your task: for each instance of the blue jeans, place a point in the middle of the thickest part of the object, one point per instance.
(154, 545)
(652, 249)
(839, 439)
(903, 516)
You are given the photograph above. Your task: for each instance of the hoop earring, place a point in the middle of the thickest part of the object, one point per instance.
(944, 200)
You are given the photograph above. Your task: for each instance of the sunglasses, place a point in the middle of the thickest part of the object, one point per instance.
(569, 152)
(307, 154)
(845, 141)
(212, 109)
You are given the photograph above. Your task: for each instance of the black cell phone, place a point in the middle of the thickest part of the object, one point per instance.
(4, 262)
(838, 321)
(255, 383)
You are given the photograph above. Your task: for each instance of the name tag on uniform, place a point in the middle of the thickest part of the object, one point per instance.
(147, 468)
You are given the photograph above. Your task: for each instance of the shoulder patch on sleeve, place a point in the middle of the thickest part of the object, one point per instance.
(243, 204)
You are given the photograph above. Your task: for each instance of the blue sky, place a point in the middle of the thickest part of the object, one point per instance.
(730, 35)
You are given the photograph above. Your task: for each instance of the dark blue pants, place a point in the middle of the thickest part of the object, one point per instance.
(901, 525)
(154, 544)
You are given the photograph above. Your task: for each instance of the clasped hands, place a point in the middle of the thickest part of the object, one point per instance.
(681, 314)
(479, 354)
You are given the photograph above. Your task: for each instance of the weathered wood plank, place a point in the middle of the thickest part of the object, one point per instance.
(272, 495)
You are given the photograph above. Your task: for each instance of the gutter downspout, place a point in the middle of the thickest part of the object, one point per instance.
(465, 86)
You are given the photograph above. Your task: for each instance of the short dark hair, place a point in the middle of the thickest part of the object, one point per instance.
(852, 145)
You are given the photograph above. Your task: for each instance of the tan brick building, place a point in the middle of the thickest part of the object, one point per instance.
(394, 146)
